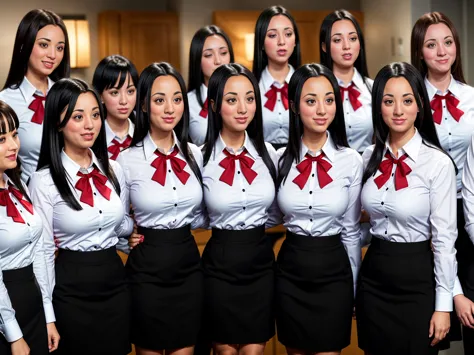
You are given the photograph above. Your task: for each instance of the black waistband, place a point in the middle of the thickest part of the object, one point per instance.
(400, 248)
(160, 236)
(87, 257)
(24, 273)
(308, 241)
(238, 235)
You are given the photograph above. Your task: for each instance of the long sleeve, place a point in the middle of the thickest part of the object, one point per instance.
(275, 216)
(468, 190)
(125, 228)
(8, 324)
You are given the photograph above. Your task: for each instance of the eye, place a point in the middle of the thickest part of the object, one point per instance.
(431, 45)
(449, 42)
(77, 117)
(159, 100)
(388, 102)
(131, 91)
(2, 140)
(329, 100)
(224, 53)
(408, 101)
(96, 115)
(336, 40)
(60, 48)
(15, 134)
(250, 99)
(178, 100)
(207, 55)
(272, 35)
(289, 34)
(231, 100)
(43, 45)
(310, 102)
(114, 93)
(354, 39)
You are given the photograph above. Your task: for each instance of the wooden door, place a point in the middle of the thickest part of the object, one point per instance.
(142, 37)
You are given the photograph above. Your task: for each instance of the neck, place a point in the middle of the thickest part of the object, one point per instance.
(162, 139)
(279, 71)
(233, 139)
(3, 184)
(345, 74)
(118, 126)
(206, 83)
(440, 81)
(81, 156)
(40, 82)
(398, 139)
(314, 141)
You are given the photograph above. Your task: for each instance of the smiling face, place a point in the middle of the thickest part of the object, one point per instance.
(9, 146)
(47, 52)
(345, 44)
(280, 39)
(215, 52)
(120, 102)
(439, 49)
(166, 104)
(317, 105)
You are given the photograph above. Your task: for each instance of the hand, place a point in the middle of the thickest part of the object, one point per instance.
(464, 310)
(439, 326)
(135, 239)
(53, 337)
(364, 217)
(20, 347)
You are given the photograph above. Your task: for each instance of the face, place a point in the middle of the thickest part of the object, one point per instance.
(47, 52)
(120, 102)
(167, 105)
(238, 104)
(317, 105)
(83, 127)
(345, 45)
(280, 39)
(399, 108)
(215, 52)
(9, 146)
(439, 49)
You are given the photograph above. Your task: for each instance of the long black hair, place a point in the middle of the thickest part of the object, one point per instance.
(63, 98)
(25, 39)
(424, 120)
(196, 76)
(325, 38)
(337, 128)
(9, 117)
(260, 58)
(255, 128)
(109, 70)
(142, 125)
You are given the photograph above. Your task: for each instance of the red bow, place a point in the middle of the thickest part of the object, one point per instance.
(322, 168)
(38, 107)
(12, 211)
(353, 96)
(117, 147)
(204, 110)
(271, 95)
(84, 185)
(401, 171)
(451, 104)
(176, 164)
(228, 163)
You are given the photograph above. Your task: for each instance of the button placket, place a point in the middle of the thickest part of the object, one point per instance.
(243, 192)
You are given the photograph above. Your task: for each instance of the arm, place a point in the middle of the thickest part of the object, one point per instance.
(201, 219)
(468, 190)
(275, 217)
(8, 324)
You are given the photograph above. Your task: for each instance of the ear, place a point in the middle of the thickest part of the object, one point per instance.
(144, 107)
(293, 107)
(323, 46)
(213, 105)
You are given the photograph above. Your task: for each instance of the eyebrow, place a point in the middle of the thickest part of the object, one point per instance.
(117, 88)
(48, 40)
(210, 49)
(82, 110)
(404, 95)
(274, 29)
(314, 95)
(434, 39)
(340, 34)
(163, 94)
(234, 93)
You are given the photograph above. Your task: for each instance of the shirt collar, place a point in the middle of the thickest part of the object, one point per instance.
(268, 80)
(203, 92)
(248, 145)
(329, 149)
(454, 88)
(110, 135)
(28, 90)
(412, 147)
(72, 168)
(150, 147)
(357, 79)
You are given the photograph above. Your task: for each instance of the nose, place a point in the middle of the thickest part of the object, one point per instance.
(320, 108)
(441, 49)
(52, 52)
(169, 109)
(398, 109)
(241, 107)
(13, 144)
(281, 39)
(346, 44)
(122, 98)
(88, 122)
(217, 59)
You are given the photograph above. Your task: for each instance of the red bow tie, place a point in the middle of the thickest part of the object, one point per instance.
(353, 96)
(204, 110)
(38, 107)
(451, 105)
(228, 163)
(322, 168)
(84, 185)
(401, 171)
(271, 95)
(117, 147)
(176, 164)
(12, 211)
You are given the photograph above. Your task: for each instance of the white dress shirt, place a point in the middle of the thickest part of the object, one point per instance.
(110, 135)
(359, 127)
(171, 206)
(21, 245)
(276, 123)
(90, 229)
(30, 133)
(468, 190)
(242, 205)
(424, 210)
(454, 136)
(333, 209)
(197, 123)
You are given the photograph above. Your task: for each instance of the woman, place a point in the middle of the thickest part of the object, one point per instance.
(342, 48)
(40, 57)
(26, 312)
(407, 277)
(115, 80)
(319, 196)
(163, 183)
(77, 192)
(276, 55)
(210, 48)
(239, 193)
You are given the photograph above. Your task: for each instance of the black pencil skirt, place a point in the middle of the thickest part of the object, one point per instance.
(314, 294)
(27, 302)
(91, 301)
(239, 286)
(396, 299)
(167, 289)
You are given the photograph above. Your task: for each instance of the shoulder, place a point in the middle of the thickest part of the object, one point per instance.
(369, 81)
(367, 154)
(436, 155)
(353, 154)
(280, 152)
(466, 89)
(7, 94)
(192, 95)
(41, 179)
(197, 153)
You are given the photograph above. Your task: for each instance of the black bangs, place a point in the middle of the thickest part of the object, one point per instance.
(113, 68)
(8, 119)
(110, 78)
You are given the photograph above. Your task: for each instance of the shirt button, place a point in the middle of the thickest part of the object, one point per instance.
(279, 113)
(175, 205)
(174, 188)
(311, 220)
(30, 242)
(347, 113)
(100, 229)
(386, 216)
(281, 127)
(449, 133)
(243, 190)
(28, 224)
(100, 211)
(449, 149)
(310, 207)
(169, 170)
(279, 100)
(95, 194)
(238, 172)
(382, 203)
(385, 232)
(16, 204)
(393, 174)
(386, 189)
(312, 175)
(350, 140)
(445, 118)
(311, 192)
(243, 207)
(350, 126)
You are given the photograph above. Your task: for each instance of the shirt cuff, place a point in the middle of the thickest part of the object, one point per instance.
(444, 302)
(49, 313)
(12, 331)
